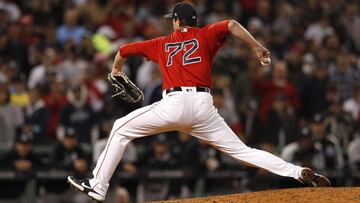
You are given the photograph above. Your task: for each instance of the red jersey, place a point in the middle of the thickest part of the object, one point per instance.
(185, 56)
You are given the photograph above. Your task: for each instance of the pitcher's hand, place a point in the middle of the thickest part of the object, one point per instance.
(263, 55)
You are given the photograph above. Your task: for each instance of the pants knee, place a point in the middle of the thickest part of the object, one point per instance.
(119, 130)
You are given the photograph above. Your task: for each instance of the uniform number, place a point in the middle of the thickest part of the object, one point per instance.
(192, 44)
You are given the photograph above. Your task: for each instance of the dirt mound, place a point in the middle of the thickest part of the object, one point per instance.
(303, 195)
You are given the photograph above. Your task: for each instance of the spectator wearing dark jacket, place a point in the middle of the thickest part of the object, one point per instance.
(22, 161)
(67, 156)
(313, 92)
(329, 152)
(279, 128)
(36, 116)
(302, 151)
(78, 114)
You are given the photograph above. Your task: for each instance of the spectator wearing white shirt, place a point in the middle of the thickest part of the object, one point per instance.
(38, 74)
(319, 30)
(352, 105)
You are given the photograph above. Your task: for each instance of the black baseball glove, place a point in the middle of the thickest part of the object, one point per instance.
(124, 88)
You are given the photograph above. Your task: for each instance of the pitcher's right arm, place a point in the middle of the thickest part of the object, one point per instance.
(238, 31)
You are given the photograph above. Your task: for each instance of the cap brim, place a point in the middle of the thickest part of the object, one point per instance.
(169, 15)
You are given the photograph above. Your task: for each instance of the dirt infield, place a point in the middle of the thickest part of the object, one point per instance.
(303, 195)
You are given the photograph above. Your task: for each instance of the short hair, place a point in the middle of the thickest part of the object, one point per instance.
(191, 23)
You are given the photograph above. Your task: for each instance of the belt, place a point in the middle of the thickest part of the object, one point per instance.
(185, 89)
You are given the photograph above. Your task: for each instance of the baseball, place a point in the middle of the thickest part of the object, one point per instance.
(266, 61)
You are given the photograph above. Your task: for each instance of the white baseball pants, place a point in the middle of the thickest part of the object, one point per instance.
(190, 112)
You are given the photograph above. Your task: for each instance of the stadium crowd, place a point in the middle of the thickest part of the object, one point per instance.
(56, 111)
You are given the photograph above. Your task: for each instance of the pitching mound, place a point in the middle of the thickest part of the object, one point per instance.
(303, 195)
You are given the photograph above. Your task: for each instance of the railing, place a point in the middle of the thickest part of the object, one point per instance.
(163, 174)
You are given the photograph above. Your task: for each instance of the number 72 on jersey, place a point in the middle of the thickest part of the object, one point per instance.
(189, 46)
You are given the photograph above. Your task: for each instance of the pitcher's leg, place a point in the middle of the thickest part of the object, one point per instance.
(139, 123)
(219, 135)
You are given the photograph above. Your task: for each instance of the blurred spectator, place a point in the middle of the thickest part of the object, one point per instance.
(86, 49)
(102, 40)
(313, 88)
(36, 116)
(21, 158)
(219, 13)
(330, 155)
(351, 22)
(4, 22)
(146, 68)
(23, 162)
(251, 123)
(344, 75)
(122, 195)
(73, 67)
(209, 158)
(354, 153)
(16, 48)
(18, 92)
(352, 105)
(153, 88)
(11, 8)
(255, 26)
(317, 31)
(70, 30)
(279, 129)
(69, 155)
(339, 124)
(100, 72)
(186, 146)
(331, 95)
(55, 100)
(160, 158)
(11, 118)
(42, 11)
(301, 152)
(282, 24)
(243, 88)
(120, 17)
(96, 83)
(40, 73)
(159, 155)
(78, 114)
(224, 102)
(94, 12)
(268, 89)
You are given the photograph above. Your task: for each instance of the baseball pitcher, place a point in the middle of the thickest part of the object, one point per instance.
(185, 57)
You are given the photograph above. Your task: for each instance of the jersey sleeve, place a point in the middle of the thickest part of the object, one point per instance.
(147, 49)
(217, 32)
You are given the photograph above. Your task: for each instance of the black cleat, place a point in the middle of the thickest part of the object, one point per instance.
(84, 187)
(308, 176)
